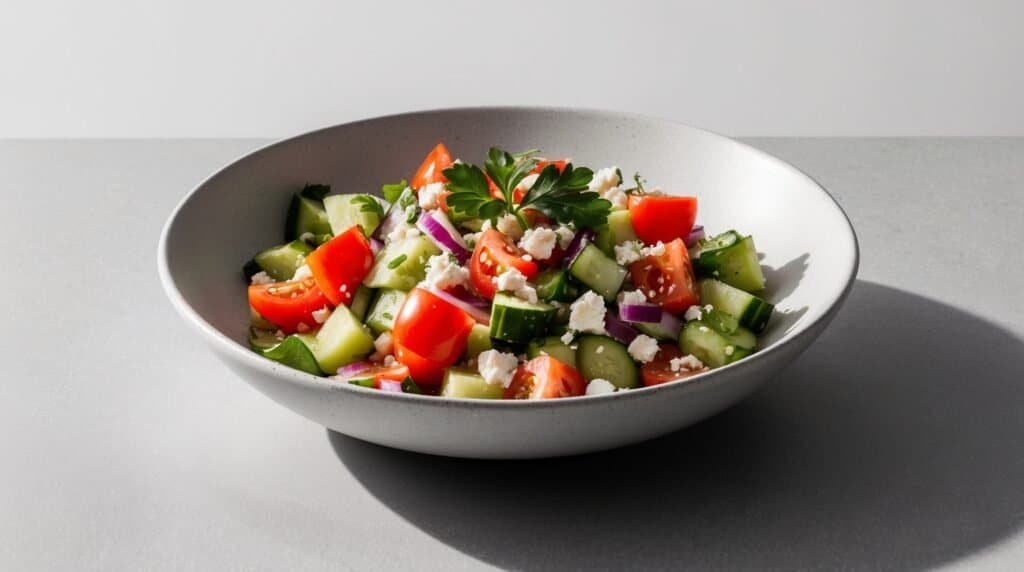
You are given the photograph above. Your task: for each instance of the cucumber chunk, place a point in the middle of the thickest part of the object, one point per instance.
(402, 264)
(751, 311)
(346, 211)
(552, 346)
(516, 320)
(554, 284)
(479, 340)
(384, 309)
(618, 230)
(361, 302)
(279, 262)
(306, 213)
(468, 384)
(600, 357)
(713, 347)
(656, 331)
(341, 340)
(733, 260)
(293, 352)
(602, 274)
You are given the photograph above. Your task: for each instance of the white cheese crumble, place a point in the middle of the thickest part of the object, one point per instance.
(643, 348)
(497, 367)
(384, 344)
(514, 281)
(567, 338)
(600, 386)
(628, 252)
(471, 238)
(632, 297)
(509, 225)
(402, 232)
(301, 273)
(655, 250)
(539, 242)
(617, 197)
(692, 313)
(586, 314)
(430, 194)
(262, 278)
(604, 179)
(320, 316)
(565, 236)
(599, 350)
(686, 363)
(444, 272)
(729, 350)
(307, 237)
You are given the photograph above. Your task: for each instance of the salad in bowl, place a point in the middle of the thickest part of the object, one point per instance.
(516, 278)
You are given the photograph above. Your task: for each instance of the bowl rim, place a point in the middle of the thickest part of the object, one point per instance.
(290, 375)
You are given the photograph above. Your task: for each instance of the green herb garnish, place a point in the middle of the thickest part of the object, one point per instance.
(397, 261)
(392, 191)
(369, 205)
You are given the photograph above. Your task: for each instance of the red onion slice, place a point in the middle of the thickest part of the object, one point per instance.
(647, 313)
(671, 324)
(375, 245)
(444, 235)
(477, 308)
(390, 385)
(353, 369)
(578, 243)
(695, 235)
(618, 329)
(394, 219)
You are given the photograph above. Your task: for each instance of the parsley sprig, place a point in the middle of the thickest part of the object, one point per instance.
(561, 196)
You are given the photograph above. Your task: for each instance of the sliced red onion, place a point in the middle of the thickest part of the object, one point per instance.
(578, 243)
(395, 218)
(618, 329)
(695, 235)
(648, 313)
(352, 369)
(444, 235)
(477, 308)
(390, 385)
(376, 245)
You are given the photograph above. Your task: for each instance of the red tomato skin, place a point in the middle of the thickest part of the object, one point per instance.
(431, 328)
(545, 377)
(675, 266)
(430, 171)
(495, 253)
(422, 370)
(661, 217)
(659, 370)
(284, 310)
(340, 265)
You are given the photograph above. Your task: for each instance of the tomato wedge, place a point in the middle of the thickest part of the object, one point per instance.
(289, 305)
(429, 329)
(423, 371)
(559, 164)
(661, 217)
(667, 279)
(379, 373)
(659, 370)
(340, 265)
(545, 377)
(494, 254)
(430, 170)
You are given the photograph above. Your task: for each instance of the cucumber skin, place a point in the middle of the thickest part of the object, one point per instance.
(752, 311)
(709, 345)
(554, 285)
(388, 302)
(736, 264)
(616, 231)
(306, 214)
(602, 274)
(554, 347)
(417, 250)
(514, 320)
(613, 363)
(361, 302)
(468, 384)
(279, 262)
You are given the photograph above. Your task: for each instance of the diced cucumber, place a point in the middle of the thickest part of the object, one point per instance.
(341, 340)
(384, 309)
(552, 346)
(469, 384)
(733, 260)
(293, 352)
(617, 230)
(600, 357)
(713, 347)
(516, 320)
(554, 284)
(262, 339)
(402, 264)
(479, 340)
(279, 262)
(656, 330)
(751, 311)
(346, 211)
(602, 274)
(361, 302)
(306, 213)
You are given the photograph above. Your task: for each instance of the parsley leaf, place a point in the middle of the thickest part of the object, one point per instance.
(369, 204)
(470, 193)
(564, 197)
(392, 191)
(506, 171)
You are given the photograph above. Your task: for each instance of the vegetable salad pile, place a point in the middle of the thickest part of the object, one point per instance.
(523, 278)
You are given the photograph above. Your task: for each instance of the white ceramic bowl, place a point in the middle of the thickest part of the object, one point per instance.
(809, 248)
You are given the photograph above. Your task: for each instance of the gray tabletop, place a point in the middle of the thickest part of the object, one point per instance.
(895, 442)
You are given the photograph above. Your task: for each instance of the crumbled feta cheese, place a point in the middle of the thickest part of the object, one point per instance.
(729, 350)
(321, 315)
(617, 197)
(704, 329)
(632, 297)
(444, 272)
(686, 363)
(509, 225)
(301, 273)
(497, 367)
(262, 278)
(600, 386)
(708, 308)
(429, 195)
(307, 237)
(692, 313)
(628, 252)
(565, 236)
(604, 179)
(600, 350)
(586, 314)
(655, 250)
(403, 231)
(566, 338)
(514, 281)
(384, 344)
(527, 183)
(527, 258)
(539, 242)
(390, 360)
(643, 348)
(471, 238)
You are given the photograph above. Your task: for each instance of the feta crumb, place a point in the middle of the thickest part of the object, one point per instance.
(566, 338)
(307, 237)
(403, 231)
(301, 273)
(527, 183)
(704, 329)
(471, 238)
(384, 344)
(262, 278)
(729, 350)
(443, 272)
(509, 225)
(600, 350)
(686, 363)
(633, 297)
(527, 258)
(708, 308)
(628, 252)
(539, 242)
(497, 367)
(643, 348)
(321, 315)
(692, 313)
(604, 180)
(586, 314)
(429, 195)
(617, 197)
(600, 386)
(390, 360)
(565, 236)
(655, 250)
(514, 281)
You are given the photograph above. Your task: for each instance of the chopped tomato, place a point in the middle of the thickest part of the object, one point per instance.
(661, 217)
(559, 164)
(430, 170)
(545, 377)
(422, 370)
(667, 279)
(379, 373)
(660, 371)
(432, 330)
(494, 254)
(340, 264)
(289, 305)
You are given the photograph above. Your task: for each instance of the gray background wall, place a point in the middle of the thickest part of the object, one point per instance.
(236, 68)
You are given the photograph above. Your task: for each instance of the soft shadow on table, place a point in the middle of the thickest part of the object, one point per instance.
(893, 443)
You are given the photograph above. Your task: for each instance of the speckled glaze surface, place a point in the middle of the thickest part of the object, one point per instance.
(809, 249)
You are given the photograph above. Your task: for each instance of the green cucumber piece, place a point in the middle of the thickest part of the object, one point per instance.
(263, 339)
(617, 230)
(713, 347)
(516, 320)
(479, 340)
(382, 314)
(600, 357)
(361, 302)
(552, 346)
(346, 211)
(306, 213)
(554, 284)
(294, 353)
(602, 274)
(751, 311)
(469, 384)
(279, 262)
(341, 340)
(402, 264)
(656, 331)
(732, 260)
